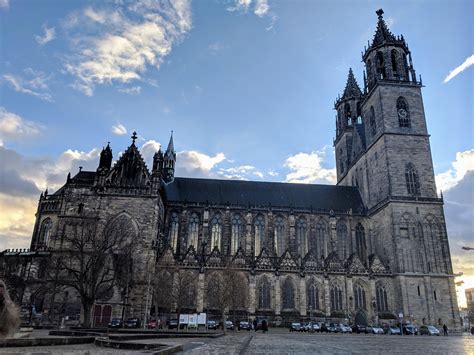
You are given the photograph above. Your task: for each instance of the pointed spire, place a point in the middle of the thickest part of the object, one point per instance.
(382, 34)
(352, 88)
(68, 179)
(170, 144)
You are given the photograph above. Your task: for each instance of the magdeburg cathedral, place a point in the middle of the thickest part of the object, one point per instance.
(373, 248)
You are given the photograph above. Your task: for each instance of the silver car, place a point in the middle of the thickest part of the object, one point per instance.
(429, 330)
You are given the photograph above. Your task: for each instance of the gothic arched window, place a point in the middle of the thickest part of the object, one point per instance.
(359, 297)
(412, 181)
(403, 113)
(288, 294)
(320, 240)
(236, 233)
(193, 230)
(381, 296)
(341, 231)
(301, 236)
(259, 234)
(264, 294)
(45, 232)
(174, 229)
(279, 235)
(312, 296)
(348, 114)
(216, 231)
(394, 58)
(373, 125)
(360, 242)
(381, 73)
(336, 298)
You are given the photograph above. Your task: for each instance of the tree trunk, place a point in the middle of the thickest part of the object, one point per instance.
(87, 308)
(224, 328)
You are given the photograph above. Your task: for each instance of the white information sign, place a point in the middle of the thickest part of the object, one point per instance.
(400, 315)
(183, 318)
(193, 319)
(201, 318)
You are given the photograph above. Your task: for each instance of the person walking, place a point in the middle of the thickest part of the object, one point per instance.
(255, 324)
(264, 326)
(445, 329)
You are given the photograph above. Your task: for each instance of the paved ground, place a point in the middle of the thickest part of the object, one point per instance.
(283, 342)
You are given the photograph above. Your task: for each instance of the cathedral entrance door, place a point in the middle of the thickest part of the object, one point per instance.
(361, 317)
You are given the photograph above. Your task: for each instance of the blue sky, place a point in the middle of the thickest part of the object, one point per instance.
(247, 86)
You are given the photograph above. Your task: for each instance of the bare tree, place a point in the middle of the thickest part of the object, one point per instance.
(9, 314)
(85, 261)
(226, 289)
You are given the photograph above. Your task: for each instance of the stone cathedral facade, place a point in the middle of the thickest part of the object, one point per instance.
(371, 247)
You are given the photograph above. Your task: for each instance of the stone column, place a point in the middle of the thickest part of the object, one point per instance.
(372, 300)
(350, 297)
(277, 296)
(292, 243)
(332, 235)
(252, 305)
(200, 292)
(303, 301)
(327, 297)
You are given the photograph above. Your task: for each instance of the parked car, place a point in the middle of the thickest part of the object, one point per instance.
(359, 329)
(343, 328)
(229, 325)
(377, 329)
(316, 327)
(429, 330)
(393, 330)
(173, 324)
(132, 323)
(323, 328)
(152, 324)
(332, 327)
(212, 324)
(295, 327)
(244, 325)
(115, 323)
(410, 329)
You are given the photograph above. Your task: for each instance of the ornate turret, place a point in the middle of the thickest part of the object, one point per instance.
(347, 105)
(105, 161)
(169, 161)
(386, 57)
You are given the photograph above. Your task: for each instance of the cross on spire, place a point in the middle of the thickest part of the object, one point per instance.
(379, 13)
(134, 137)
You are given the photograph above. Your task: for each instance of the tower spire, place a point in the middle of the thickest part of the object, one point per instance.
(169, 161)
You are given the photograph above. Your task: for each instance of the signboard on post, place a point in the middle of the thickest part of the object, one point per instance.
(192, 319)
(201, 319)
(183, 318)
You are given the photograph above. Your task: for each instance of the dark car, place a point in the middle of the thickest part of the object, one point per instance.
(323, 328)
(359, 329)
(295, 327)
(332, 328)
(132, 323)
(244, 325)
(173, 324)
(212, 324)
(116, 323)
(229, 325)
(410, 329)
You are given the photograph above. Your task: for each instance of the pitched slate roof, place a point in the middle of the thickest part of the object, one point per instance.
(265, 194)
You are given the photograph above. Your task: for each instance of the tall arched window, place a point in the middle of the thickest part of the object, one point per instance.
(259, 234)
(336, 298)
(236, 233)
(45, 232)
(193, 230)
(394, 58)
(342, 239)
(216, 231)
(381, 296)
(403, 112)
(279, 235)
(174, 229)
(320, 241)
(288, 294)
(373, 125)
(264, 294)
(381, 73)
(301, 236)
(360, 242)
(348, 114)
(412, 181)
(359, 297)
(312, 296)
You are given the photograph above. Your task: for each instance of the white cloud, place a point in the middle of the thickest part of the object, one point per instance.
(4, 4)
(33, 83)
(307, 168)
(193, 163)
(148, 150)
(14, 127)
(133, 38)
(216, 47)
(458, 70)
(272, 173)
(244, 172)
(119, 129)
(134, 90)
(261, 8)
(464, 163)
(240, 6)
(49, 35)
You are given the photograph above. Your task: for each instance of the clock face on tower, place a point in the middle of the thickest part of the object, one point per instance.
(402, 113)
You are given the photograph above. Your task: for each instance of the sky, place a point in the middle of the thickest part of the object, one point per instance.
(247, 87)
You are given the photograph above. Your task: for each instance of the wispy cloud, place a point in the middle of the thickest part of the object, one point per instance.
(4, 4)
(15, 128)
(458, 70)
(134, 90)
(119, 129)
(48, 36)
(33, 83)
(243, 172)
(260, 8)
(134, 37)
